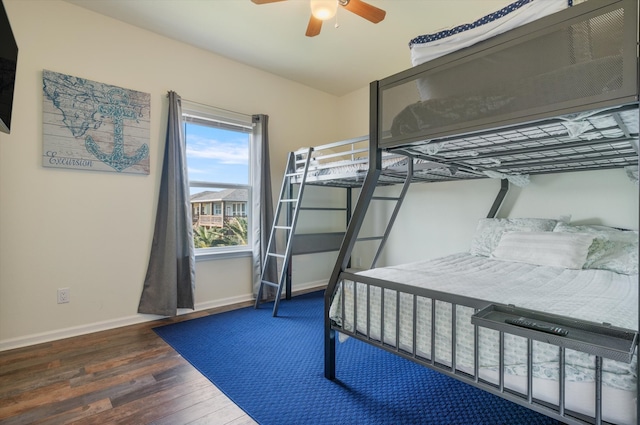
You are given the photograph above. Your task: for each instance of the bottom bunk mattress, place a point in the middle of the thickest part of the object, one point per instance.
(590, 294)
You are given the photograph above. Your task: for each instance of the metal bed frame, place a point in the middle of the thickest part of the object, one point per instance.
(525, 139)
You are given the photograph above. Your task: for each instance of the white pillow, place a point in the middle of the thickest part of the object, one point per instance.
(612, 249)
(489, 230)
(567, 250)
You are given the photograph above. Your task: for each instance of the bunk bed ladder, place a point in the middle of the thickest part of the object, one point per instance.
(398, 203)
(292, 205)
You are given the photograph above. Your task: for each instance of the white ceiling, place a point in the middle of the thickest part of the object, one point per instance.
(271, 36)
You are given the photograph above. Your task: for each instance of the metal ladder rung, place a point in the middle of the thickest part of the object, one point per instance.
(293, 174)
(272, 254)
(385, 198)
(322, 209)
(370, 238)
(266, 282)
(289, 200)
(283, 227)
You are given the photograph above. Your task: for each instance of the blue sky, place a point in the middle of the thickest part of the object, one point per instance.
(217, 155)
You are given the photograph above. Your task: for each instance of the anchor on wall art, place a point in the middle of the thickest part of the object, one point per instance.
(94, 126)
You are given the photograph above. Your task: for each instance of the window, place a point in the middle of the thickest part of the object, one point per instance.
(219, 147)
(239, 209)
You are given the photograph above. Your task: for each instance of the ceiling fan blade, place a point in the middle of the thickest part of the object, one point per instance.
(365, 10)
(265, 1)
(314, 27)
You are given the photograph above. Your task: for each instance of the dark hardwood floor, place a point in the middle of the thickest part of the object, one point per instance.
(120, 376)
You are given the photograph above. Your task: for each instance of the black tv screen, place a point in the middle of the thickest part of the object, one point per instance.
(8, 63)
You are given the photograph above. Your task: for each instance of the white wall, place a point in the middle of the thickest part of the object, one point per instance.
(92, 231)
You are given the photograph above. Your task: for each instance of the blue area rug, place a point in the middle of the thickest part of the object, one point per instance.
(273, 369)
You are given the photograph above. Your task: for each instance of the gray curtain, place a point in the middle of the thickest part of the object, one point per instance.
(170, 280)
(262, 206)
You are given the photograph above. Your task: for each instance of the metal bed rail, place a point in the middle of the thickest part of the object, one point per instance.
(390, 294)
(345, 164)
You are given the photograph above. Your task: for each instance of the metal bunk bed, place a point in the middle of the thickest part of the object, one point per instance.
(564, 98)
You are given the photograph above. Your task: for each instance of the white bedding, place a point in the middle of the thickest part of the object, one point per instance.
(431, 46)
(427, 47)
(595, 295)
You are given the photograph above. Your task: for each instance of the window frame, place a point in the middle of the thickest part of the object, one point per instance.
(207, 115)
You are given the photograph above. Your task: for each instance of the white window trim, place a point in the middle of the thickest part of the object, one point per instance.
(207, 254)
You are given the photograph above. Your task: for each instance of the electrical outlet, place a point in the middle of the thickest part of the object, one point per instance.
(64, 295)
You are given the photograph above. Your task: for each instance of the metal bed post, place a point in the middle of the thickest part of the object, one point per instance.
(344, 255)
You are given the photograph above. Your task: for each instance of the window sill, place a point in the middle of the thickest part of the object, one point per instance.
(206, 255)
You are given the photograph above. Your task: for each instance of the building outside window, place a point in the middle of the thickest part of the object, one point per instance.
(219, 146)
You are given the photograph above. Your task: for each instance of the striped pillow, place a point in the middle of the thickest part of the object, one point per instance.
(567, 250)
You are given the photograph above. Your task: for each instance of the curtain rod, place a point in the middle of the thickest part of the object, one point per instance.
(215, 108)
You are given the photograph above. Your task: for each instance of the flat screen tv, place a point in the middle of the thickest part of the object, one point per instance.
(8, 63)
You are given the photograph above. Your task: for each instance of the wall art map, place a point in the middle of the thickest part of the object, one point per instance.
(94, 126)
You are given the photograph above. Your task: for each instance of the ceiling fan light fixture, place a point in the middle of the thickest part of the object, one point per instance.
(324, 9)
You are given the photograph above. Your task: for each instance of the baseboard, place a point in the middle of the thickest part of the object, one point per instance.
(43, 337)
(39, 338)
(224, 302)
(309, 287)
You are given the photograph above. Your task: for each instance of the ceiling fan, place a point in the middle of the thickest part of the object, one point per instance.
(321, 10)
